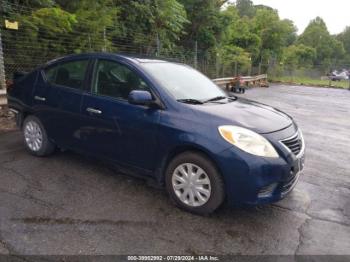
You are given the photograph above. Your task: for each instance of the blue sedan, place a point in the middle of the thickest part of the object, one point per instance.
(162, 121)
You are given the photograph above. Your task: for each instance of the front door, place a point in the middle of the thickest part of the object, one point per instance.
(113, 128)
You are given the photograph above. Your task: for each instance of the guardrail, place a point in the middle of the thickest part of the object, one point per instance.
(230, 83)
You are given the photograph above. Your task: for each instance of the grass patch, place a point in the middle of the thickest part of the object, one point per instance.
(311, 82)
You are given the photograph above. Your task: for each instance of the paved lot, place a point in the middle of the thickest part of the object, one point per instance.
(67, 204)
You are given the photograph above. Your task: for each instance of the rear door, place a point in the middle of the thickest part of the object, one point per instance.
(58, 97)
(113, 128)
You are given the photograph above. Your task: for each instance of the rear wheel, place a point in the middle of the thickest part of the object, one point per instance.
(35, 137)
(194, 183)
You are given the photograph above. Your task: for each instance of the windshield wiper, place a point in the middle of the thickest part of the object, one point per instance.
(232, 98)
(217, 98)
(190, 101)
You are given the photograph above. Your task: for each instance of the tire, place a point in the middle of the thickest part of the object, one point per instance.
(200, 203)
(35, 137)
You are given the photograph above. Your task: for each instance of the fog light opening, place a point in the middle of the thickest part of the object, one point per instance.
(267, 191)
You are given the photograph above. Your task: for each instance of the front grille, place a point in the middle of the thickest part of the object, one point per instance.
(295, 143)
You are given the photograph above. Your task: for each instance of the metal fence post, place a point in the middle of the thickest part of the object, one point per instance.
(236, 69)
(217, 66)
(158, 45)
(2, 66)
(195, 54)
(104, 49)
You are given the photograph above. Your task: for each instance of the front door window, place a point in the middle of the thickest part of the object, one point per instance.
(116, 80)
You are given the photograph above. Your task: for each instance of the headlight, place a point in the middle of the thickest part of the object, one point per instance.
(248, 141)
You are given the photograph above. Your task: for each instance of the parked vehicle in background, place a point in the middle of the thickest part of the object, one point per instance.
(338, 76)
(163, 121)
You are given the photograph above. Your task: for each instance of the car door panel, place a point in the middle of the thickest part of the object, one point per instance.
(123, 133)
(115, 129)
(59, 106)
(65, 115)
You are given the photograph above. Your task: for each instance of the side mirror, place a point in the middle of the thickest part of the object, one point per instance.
(140, 97)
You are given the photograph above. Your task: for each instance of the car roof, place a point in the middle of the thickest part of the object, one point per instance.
(136, 59)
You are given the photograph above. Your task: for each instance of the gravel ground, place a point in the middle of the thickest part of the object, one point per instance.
(67, 204)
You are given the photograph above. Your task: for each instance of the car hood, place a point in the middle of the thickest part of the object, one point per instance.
(245, 113)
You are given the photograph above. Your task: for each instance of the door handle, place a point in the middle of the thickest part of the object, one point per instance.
(94, 111)
(40, 98)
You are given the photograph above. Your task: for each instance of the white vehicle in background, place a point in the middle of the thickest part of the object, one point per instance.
(336, 76)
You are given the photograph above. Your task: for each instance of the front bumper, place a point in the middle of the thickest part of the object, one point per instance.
(256, 180)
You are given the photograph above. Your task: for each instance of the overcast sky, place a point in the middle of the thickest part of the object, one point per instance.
(336, 13)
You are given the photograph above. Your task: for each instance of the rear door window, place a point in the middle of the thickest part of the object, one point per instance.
(69, 74)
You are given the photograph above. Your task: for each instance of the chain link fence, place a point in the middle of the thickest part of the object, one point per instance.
(32, 44)
(327, 75)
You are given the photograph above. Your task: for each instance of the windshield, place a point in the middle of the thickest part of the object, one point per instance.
(184, 82)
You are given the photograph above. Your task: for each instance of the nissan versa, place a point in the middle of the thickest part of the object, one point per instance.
(163, 121)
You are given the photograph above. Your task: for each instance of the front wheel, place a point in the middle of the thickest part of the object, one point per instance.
(35, 137)
(194, 183)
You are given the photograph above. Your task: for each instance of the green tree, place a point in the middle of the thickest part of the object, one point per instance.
(275, 34)
(299, 56)
(240, 33)
(94, 20)
(143, 22)
(344, 38)
(237, 34)
(245, 8)
(328, 48)
(233, 58)
(37, 39)
(205, 23)
(29, 3)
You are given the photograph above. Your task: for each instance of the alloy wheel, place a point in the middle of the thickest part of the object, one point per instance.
(33, 136)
